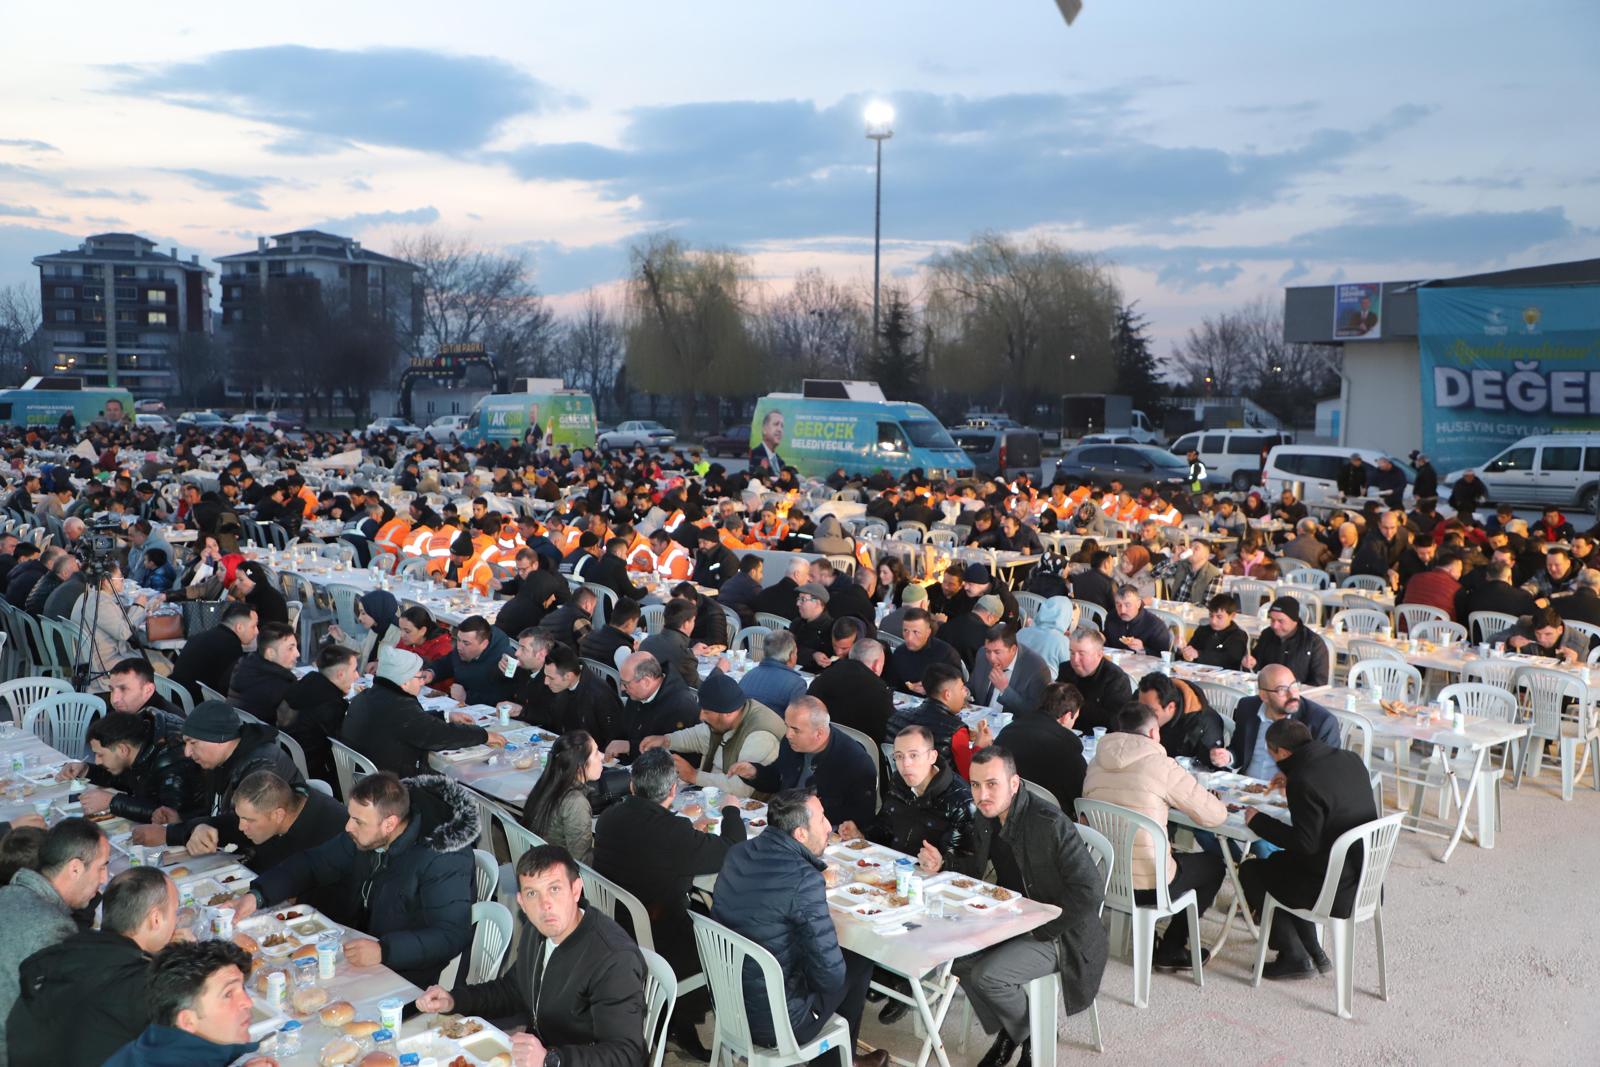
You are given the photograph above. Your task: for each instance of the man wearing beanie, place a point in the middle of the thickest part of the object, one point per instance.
(913, 596)
(732, 729)
(228, 750)
(387, 725)
(1289, 641)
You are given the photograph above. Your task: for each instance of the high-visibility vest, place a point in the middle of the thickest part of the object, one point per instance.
(392, 535)
(308, 501)
(673, 521)
(731, 539)
(1170, 516)
(439, 544)
(640, 556)
(416, 543)
(770, 536)
(1079, 495)
(674, 564)
(567, 540)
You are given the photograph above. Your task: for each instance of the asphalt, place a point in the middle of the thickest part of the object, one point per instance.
(1492, 957)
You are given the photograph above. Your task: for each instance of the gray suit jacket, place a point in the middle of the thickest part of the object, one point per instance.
(1029, 675)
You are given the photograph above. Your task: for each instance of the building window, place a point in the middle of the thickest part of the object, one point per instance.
(127, 316)
(155, 274)
(65, 292)
(66, 314)
(127, 292)
(124, 272)
(155, 296)
(157, 318)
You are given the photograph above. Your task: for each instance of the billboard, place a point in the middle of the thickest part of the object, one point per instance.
(1500, 364)
(1357, 311)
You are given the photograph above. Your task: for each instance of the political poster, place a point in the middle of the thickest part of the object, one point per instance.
(1357, 311)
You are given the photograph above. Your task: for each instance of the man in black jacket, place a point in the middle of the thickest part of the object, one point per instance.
(714, 562)
(281, 821)
(671, 645)
(648, 850)
(1278, 697)
(473, 665)
(1104, 686)
(315, 706)
(853, 691)
(210, 655)
(602, 642)
(387, 725)
(24, 573)
(577, 981)
(611, 571)
(1221, 643)
(83, 998)
(1289, 642)
(581, 699)
(919, 651)
(569, 622)
(228, 750)
(1133, 628)
(1094, 584)
(966, 632)
(812, 755)
(1036, 851)
(133, 692)
(138, 772)
(401, 873)
(742, 590)
(1495, 593)
(927, 811)
(658, 703)
(778, 598)
(538, 591)
(1189, 727)
(711, 623)
(813, 629)
(1044, 743)
(262, 678)
(1329, 792)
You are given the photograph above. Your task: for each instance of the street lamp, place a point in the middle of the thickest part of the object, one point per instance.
(879, 115)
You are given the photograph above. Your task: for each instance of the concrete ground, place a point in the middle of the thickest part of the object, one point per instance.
(1493, 957)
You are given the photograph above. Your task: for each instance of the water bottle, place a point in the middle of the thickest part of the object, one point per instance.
(288, 1043)
(327, 955)
(903, 871)
(916, 895)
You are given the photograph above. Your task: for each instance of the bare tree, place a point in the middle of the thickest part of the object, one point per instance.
(22, 346)
(818, 329)
(590, 350)
(1241, 352)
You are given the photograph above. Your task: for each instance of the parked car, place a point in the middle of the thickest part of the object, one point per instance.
(1554, 468)
(252, 420)
(202, 420)
(1108, 439)
(635, 432)
(1134, 465)
(1233, 458)
(733, 440)
(446, 427)
(1003, 452)
(1316, 469)
(150, 406)
(392, 425)
(283, 420)
(150, 421)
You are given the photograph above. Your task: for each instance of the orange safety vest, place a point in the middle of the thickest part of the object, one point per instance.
(392, 535)
(310, 501)
(675, 565)
(673, 521)
(732, 540)
(641, 558)
(770, 536)
(439, 544)
(1170, 516)
(417, 541)
(567, 539)
(1079, 495)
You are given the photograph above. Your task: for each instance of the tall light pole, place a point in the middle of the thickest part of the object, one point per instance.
(879, 116)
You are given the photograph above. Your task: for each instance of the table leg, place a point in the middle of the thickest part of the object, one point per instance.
(1488, 808)
(931, 1016)
(1236, 905)
(1466, 806)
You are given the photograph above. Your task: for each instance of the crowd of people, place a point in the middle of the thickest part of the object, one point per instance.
(672, 535)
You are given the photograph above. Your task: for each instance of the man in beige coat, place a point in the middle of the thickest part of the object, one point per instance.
(1132, 770)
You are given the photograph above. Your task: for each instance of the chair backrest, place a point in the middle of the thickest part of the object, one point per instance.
(1029, 604)
(350, 765)
(605, 598)
(1310, 603)
(1307, 576)
(486, 873)
(753, 639)
(20, 694)
(383, 561)
(62, 721)
(519, 838)
(491, 937)
(731, 617)
(1119, 825)
(1396, 681)
(1365, 581)
(1495, 672)
(1252, 593)
(1359, 621)
(653, 616)
(1481, 700)
(1175, 626)
(1222, 698)
(1440, 631)
(345, 601)
(175, 693)
(1093, 611)
(208, 693)
(1409, 615)
(1376, 840)
(1485, 624)
(771, 621)
(607, 895)
(1104, 855)
(660, 997)
(607, 671)
(320, 786)
(1581, 636)
(1287, 565)
(1355, 728)
(296, 753)
(1040, 793)
(1545, 693)
(723, 955)
(1361, 649)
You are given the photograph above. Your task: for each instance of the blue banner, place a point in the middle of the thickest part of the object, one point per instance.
(1500, 364)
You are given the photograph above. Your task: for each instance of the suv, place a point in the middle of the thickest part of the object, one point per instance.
(1233, 458)
(1561, 469)
(1001, 451)
(1316, 468)
(1135, 466)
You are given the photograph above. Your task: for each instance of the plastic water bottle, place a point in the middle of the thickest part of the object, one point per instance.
(903, 873)
(288, 1043)
(916, 895)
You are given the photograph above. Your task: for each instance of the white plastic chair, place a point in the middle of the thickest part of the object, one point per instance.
(1408, 615)
(176, 693)
(350, 765)
(1370, 582)
(1495, 672)
(771, 621)
(1361, 649)
(1029, 604)
(1439, 631)
(1581, 637)
(723, 955)
(296, 753)
(607, 895)
(1223, 700)
(1175, 626)
(753, 639)
(1105, 857)
(208, 693)
(491, 937)
(1396, 681)
(1485, 624)
(1546, 693)
(1376, 840)
(660, 997)
(1359, 621)
(519, 838)
(1119, 825)
(1091, 613)
(486, 873)
(1307, 576)
(320, 786)
(20, 694)
(62, 721)
(1252, 593)
(653, 616)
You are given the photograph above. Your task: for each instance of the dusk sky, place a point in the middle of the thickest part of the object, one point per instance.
(1213, 152)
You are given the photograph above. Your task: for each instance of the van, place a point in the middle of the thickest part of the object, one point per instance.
(834, 424)
(1232, 457)
(1560, 469)
(1003, 452)
(566, 416)
(1315, 470)
(41, 401)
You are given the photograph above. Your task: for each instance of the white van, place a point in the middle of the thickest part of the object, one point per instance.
(1316, 468)
(1551, 468)
(1232, 457)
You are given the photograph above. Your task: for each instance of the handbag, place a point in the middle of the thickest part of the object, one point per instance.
(163, 626)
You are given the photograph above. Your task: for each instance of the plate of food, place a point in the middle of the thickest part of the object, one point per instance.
(461, 1041)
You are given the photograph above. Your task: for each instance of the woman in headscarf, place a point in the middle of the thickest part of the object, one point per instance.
(1136, 571)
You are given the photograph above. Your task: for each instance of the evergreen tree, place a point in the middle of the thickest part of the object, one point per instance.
(897, 365)
(1135, 363)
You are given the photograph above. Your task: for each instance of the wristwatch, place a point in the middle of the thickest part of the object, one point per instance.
(552, 1057)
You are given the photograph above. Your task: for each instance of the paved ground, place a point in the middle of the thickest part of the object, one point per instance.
(1493, 957)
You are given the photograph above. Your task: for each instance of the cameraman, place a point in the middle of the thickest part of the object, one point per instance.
(111, 627)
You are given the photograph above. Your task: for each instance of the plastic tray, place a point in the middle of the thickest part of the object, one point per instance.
(479, 1049)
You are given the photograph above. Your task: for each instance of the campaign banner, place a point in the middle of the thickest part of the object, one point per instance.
(1357, 311)
(1500, 364)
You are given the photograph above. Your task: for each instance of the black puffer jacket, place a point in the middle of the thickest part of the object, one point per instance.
(1303, 652)
(387, 725)
(259, 685)
(415, 897)
(1056, 869)
(258, 751)
(79, 1000)
(942, 815)
(771, 891)
(161, 776)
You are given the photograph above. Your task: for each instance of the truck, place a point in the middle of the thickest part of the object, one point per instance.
(1104, 413)
(565, 415)
(832, 425)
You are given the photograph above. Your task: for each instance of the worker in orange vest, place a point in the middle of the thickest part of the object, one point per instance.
(392, 535)
(771, 529)
(673, 562)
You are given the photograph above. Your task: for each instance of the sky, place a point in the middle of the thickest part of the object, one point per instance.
(1210, 153)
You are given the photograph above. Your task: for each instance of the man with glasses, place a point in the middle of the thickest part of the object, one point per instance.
(1278, 698)
(813, 630)
(657, 702)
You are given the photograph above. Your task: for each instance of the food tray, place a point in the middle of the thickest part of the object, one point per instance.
(962, 889)
(467, 755)
(480, 1049)
(872, 905)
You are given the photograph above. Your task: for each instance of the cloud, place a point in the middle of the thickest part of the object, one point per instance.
(743, 170)
(221, 183)
(28, 143)
(1297, 271)
(1478, 183)
(249, 200)
(1186, 273)
(559, 268)
(357, 185)
(325, 98)
(20, 211)
(417, 216)
(58, 185)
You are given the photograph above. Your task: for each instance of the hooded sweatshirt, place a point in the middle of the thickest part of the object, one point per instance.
(1048, 634)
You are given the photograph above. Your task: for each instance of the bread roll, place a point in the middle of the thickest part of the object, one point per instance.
(178, 872)
(306, 1001)
(359, 1028)
(305, 952)
(340, 1050)
(379, 1059)
(338, 1013)
(261, 1061)
(246, 942)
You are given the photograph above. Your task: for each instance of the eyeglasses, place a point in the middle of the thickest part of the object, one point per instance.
(1282, 690)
